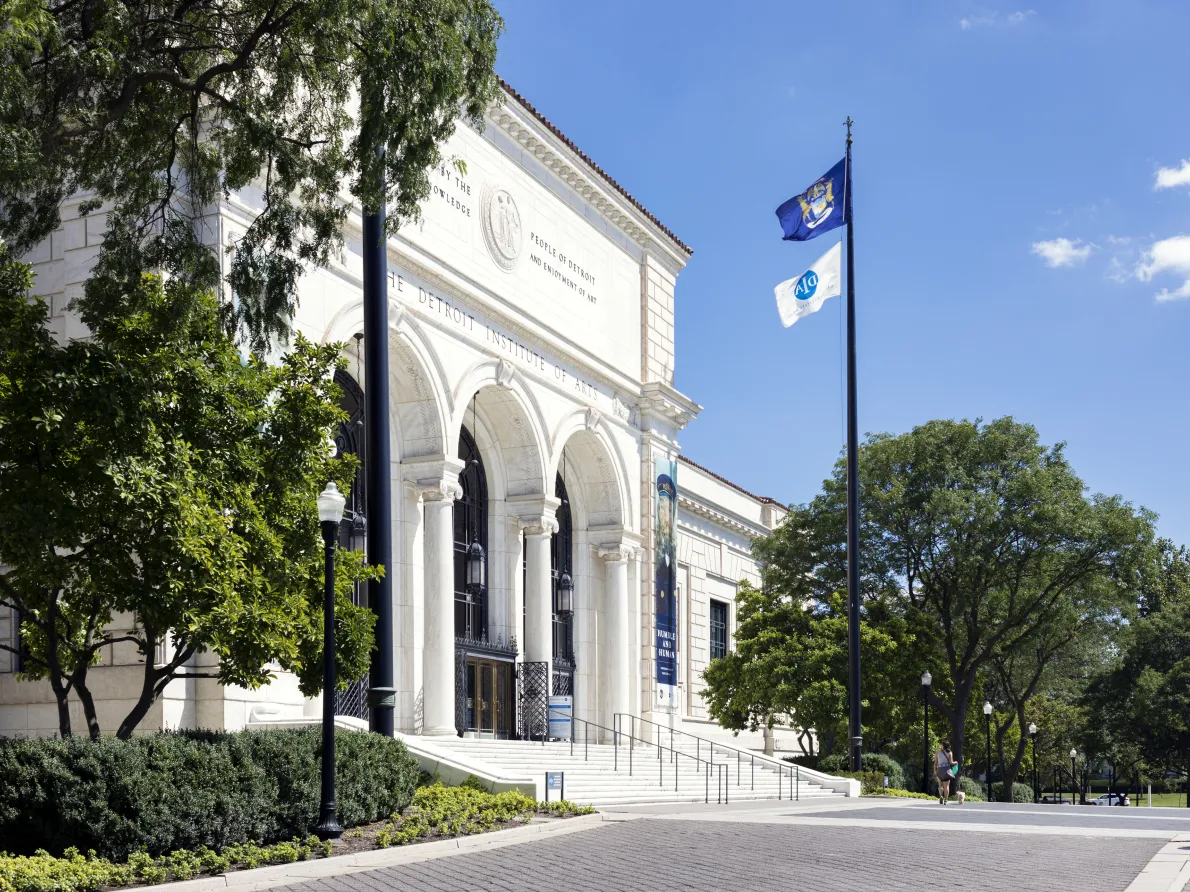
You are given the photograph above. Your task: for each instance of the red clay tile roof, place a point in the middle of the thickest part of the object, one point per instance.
(595, 167)
(764, 500)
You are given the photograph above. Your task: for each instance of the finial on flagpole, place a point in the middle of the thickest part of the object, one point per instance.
(849, 122)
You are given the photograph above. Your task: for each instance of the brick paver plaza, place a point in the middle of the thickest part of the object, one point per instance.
(720, 856)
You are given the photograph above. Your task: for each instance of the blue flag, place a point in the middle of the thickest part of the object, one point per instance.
(826, 205)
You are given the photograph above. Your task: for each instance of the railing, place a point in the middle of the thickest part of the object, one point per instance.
(794, 770)
(710, 766)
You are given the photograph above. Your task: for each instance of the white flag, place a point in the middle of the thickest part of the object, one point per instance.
(804, 295)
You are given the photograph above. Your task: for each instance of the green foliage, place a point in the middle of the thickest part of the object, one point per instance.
(972, 789)
(158, 485)
(789, 661)
(1020, 792)
(875, 763)
(977, 540)
(42, 872)
(871, 782)
(185, 790)
(462, 810)
(155, 110)
(1143, 700)
(905, 794)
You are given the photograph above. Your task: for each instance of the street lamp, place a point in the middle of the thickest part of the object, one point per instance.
(330, 513)
(926, 679)
(1073, 777)
(987, 716)
(565, 594)
(1033, 741)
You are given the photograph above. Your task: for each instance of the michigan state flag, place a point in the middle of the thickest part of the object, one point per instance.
(826, 205)
(804, 295)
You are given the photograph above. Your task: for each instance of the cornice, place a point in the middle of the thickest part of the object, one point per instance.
(721, 518)
(577, 173)
(662, 401)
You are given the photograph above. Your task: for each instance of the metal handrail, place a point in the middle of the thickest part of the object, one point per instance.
(794, 769)
(721, 782)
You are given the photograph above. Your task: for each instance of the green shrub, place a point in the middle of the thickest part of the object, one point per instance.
(186, 790)
(42, 872)
(462, 810)
(971, 788)
(1020, 792)
(878, 763)
(871, 782)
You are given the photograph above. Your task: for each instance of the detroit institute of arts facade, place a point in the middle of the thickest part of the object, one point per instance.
(531, 355)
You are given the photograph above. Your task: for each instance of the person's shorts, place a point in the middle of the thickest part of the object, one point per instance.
(943, 775)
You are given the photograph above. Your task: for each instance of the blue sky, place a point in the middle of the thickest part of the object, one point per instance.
(1019, 193)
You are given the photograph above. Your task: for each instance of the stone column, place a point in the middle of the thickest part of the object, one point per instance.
(539, 606)
(615, 639)
(438, 653)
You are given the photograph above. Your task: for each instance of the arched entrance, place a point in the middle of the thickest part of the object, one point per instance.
(562, 575)
(485, 668)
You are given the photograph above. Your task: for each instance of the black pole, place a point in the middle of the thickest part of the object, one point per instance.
(328, 827)
(988, 722)
(856, 726)
(1033, 741)
(377, 472)
(925, 746)
(1073, 783)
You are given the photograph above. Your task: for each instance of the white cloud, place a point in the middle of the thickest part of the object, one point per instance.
(1172, 177)
(1170, 255)
(1063, 252)
(984, 18)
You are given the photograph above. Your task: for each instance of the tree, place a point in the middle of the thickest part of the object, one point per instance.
(155, 109)
(975, 535)
(159, 493)
(789, 663)
(1142, 701)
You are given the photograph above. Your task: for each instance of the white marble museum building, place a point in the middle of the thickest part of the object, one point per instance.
(531, 354)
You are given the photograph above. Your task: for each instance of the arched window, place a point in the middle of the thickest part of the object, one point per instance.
(471, 521)
(561, 561)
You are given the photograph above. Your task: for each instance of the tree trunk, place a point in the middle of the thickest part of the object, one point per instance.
(148, 691)
(84, 695)
(63, 698)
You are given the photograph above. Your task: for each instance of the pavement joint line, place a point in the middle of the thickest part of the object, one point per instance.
(375, 859)
(889, 824)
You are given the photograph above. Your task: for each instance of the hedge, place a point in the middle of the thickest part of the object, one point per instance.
(879, 763)
(185, 790)
(1020, 792)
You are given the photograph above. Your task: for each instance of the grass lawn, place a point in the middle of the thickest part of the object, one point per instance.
(1168, 799)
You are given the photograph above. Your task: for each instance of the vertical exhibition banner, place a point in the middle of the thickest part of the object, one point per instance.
(665, 575)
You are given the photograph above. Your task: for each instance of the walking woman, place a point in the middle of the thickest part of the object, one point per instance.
(942, 771)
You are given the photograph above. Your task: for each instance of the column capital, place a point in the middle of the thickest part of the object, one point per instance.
(536, 514)
(434, 478)
(616, 551)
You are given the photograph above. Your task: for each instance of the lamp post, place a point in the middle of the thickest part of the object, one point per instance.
(565, 594)
(1033, 742)
(1073, 777)
(926, 680)
(987, 717)
(330, 513)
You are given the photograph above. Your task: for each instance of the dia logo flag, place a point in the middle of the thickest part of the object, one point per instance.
(804, 295)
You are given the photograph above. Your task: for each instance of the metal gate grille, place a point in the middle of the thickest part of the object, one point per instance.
(533, 697)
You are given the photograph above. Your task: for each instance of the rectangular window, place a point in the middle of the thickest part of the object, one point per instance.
(718, 629)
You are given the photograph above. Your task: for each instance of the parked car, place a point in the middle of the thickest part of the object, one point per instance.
(1110, 799)
(1054, 799)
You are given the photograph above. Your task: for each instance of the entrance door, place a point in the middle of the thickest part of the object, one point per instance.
(488, 697)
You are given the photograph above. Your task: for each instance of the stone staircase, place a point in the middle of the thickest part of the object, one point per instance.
(602, 774)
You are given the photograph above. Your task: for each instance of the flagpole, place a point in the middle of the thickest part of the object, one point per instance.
(855, 726)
